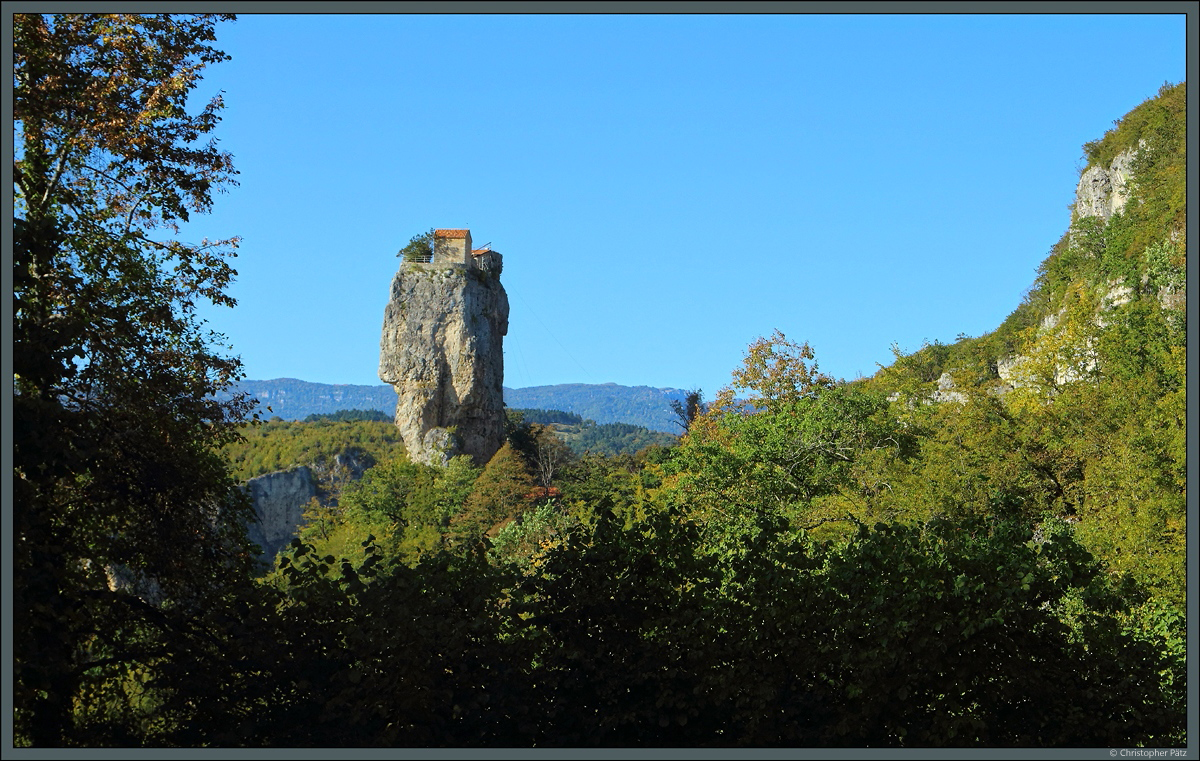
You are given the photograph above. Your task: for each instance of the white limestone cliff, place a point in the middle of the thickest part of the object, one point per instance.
(1103, 192)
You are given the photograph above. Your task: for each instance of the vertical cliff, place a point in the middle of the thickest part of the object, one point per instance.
(279, 500)
(442, 350)
(1104, 191)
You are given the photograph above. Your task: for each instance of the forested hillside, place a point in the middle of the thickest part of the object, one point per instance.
(1075, 405)
(612, 438)
(605, 403)
(981, 546)
(279, 444)
(588, 436)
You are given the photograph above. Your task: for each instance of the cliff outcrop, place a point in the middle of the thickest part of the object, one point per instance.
(442, 350)
(279, 499)
(1103, 192)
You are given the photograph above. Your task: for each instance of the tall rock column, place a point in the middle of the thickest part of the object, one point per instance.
(442, 350)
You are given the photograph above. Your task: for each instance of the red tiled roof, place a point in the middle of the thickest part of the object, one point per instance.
(480, 251)
(451, 233)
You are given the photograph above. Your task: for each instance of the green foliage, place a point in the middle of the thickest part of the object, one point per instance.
(976, 459)
(278, 445)
(408, 506)
(615, 439)
(596, 484)
(954, 634)
(345, 416)
(617, 630)
(1156, 210)
(910, 372)
(1164, 267)
(804, 440)
(1134, 481)
(544, 417)
(114, 413)
(1102, 443)
(957, 633)
(523, 541)
(501, 493)
(1155, 118)
(363, 652)
(419, 248)
(1066, 263)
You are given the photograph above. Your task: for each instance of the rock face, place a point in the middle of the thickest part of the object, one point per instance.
(354, 461)
(1103, 192)
(442, 350)
(279, 499)
(945, 391)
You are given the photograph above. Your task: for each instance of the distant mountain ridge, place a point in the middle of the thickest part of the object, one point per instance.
(293, 399)
(646, 406)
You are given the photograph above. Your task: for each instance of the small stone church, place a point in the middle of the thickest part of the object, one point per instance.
(452, 247)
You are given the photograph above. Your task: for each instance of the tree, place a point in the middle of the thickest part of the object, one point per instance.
(369, 652)
(419, 248)
(778, 371)
(519, 434)
(689, 409)
(500, 493)
(550, 454)
(795, 439)
(115, 419)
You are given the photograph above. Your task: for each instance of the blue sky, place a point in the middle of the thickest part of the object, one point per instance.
(664, 188)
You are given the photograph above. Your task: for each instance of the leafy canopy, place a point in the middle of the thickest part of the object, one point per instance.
(128, 528)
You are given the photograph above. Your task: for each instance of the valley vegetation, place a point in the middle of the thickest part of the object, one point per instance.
(814, 563)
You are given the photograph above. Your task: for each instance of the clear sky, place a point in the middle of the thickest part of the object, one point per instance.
(664, 188)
